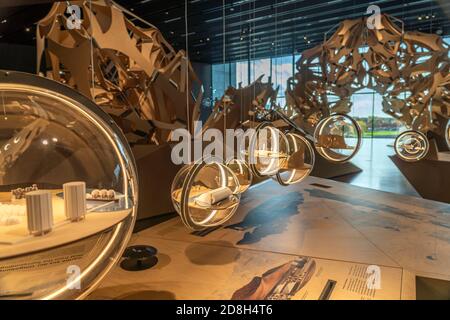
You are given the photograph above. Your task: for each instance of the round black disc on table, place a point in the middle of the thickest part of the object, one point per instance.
(137, 258)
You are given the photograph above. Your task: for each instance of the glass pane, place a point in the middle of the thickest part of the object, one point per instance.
(259, 68)
(362, 112)
(242, 73)
(281, 72)
(223, 75)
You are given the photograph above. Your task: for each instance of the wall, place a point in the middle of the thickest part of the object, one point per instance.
(18, 57)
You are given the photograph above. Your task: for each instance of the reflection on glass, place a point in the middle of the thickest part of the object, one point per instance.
(268, 150)
(205, 194)
(337, 138)
(300, 160)
(242, 172)
(411, 146)
(49, 139)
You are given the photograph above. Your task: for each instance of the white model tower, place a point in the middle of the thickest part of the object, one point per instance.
(39, 212)
(75, 200)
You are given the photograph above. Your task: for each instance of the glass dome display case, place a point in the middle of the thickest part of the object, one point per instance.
(68, 190)
(338, 138)
(411, 146)
(447, 134)
(299, 162)
(205, 194)
(242, 172)
(267, 151)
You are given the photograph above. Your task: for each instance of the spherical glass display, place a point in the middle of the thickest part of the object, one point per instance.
(300, 160)
(447, 133)
(242, 172)
(411, 146)
(68, 190)
(338, 138)
(205, 194)
(267, 151)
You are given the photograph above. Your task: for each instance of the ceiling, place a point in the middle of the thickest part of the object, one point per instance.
(253, 28)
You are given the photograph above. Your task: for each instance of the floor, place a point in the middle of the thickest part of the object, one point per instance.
(379, 172)
(319, 239)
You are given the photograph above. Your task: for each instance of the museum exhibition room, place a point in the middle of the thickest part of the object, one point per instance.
(224, 150)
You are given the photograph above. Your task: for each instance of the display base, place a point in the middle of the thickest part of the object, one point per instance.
(324, 237)
(430, 176)
(156, 172)
(138, 258)
(329, 170)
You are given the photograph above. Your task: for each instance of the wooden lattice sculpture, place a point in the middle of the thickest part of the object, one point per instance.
(138, 78)
(241, 105)
(409, 69)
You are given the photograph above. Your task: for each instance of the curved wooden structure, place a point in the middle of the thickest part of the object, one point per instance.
(409, 69)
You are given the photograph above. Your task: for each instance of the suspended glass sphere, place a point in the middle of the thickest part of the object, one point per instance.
(68, 190)
(338, 138)
(411, 146)
(242, 172)
(205, 194)
(300, 160)
(447, 133)
(268, 150)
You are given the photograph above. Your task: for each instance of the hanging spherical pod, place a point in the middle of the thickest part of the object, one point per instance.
(205, 194)
(447, 134)
(57, 148)
(411, 146)
(268, 150)
(338, 138)
(242, 172)
(300, 160)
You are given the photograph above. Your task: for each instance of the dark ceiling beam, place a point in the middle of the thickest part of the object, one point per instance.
(332, 17)
(317, 33)
(286, 35)
(269, 24)
(17, 3)
(295, 19)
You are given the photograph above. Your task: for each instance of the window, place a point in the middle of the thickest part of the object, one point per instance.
(282, 70)
(259, 68)
(367, 109)
(223, 76)
(242, 73)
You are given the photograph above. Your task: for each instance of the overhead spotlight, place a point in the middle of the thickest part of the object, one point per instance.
(305, 37)
(207, 39)
(4, 21)
(419, 18)
(132, 9)
(27, 29)
(427, 17)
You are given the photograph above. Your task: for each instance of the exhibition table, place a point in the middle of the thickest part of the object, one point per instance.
(330, 235)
